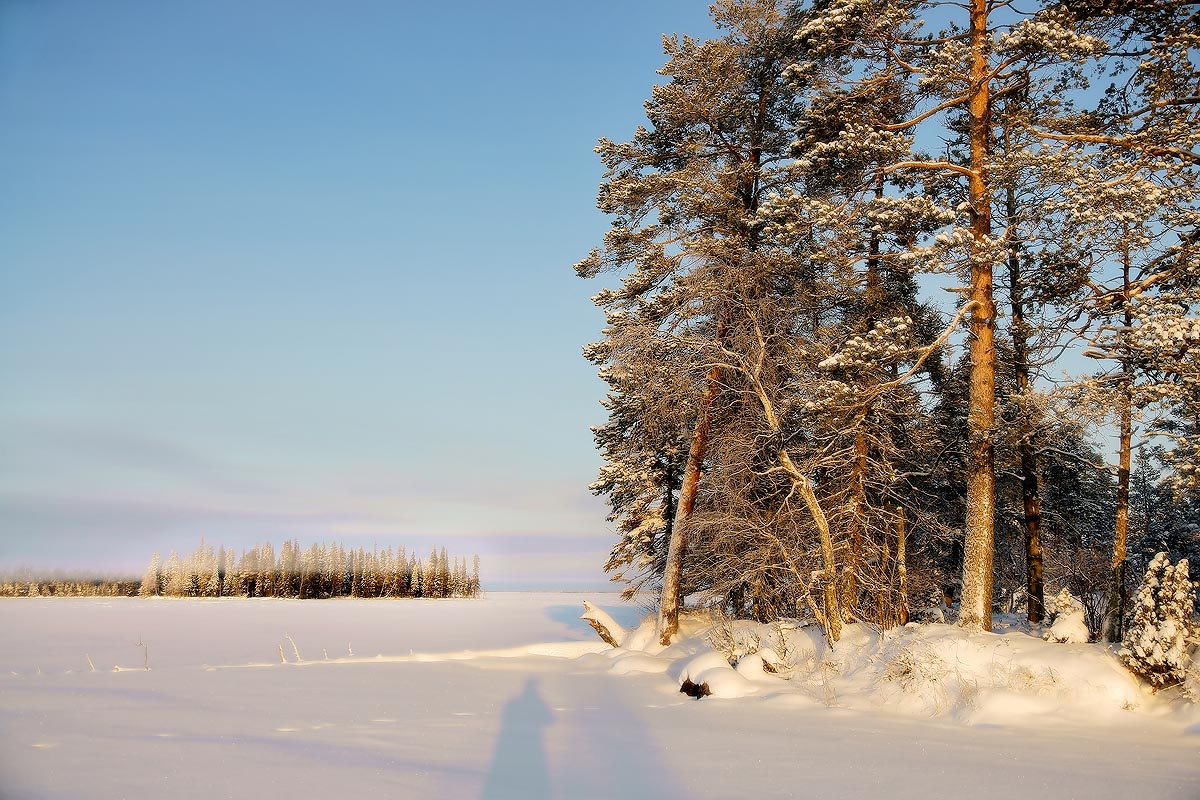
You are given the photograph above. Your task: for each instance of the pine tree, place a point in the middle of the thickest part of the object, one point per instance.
(341, 572)
(444, 573)
(1134, 301)
(234, 585)
(151, 585)
(957, 80)
(434, 572)
(683, 193)
(644, 445)
(204, 568)
(269, 575)
(222, 583)
(369, 564)
(356, 573)
(1155, 645)
(175, 580)
(401, 577)
(410, 574)
(248, 573)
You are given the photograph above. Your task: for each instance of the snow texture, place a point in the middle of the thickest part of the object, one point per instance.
(514, 696)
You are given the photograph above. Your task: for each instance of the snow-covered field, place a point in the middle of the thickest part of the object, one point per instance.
(514, 696)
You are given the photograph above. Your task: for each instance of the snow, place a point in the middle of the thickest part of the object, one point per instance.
(1068, 624)
(714, 671)
(515, 696)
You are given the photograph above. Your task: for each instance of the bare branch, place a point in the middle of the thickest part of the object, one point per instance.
(934, 166)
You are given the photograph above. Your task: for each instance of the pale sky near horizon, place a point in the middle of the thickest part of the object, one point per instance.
(303, 270)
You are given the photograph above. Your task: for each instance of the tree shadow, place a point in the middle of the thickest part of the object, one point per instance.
(519, 767)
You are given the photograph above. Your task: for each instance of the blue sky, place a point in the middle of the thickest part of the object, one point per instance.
(274, 269)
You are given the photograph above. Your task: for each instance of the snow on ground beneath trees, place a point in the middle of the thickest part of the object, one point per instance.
(514, 696)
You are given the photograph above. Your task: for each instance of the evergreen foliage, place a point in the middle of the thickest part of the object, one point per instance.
(1156, 641)
(25, 582)
(791, 429)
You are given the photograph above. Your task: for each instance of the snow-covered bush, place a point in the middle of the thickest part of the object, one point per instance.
(1156, 641)
(1191, 677)
(732, 637)
(937, 612)
(1067, 622)
(914, 668)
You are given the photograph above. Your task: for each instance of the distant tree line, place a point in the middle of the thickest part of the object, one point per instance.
(25, 582)
(321, 571)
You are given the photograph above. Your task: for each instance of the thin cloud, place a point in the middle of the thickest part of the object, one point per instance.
(91, 447)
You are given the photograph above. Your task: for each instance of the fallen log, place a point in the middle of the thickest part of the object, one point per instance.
(604, 625)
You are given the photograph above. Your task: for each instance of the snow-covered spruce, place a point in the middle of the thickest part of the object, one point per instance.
(1155, 645)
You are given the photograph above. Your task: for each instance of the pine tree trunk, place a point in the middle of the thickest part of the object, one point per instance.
(1034, 589)
(1114, 611)
(975, 610)
(873, 302)
(886, 611)
(902, 564)
(672, 588)
(858, 500)
(669, 501)
(1034, 581)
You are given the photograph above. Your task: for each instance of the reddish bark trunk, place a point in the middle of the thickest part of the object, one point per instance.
(1034, 584)
(975, 610)
(672, 588)
(1115, 609)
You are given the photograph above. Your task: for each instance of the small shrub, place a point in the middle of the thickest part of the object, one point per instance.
(734, 640)
(914, 668)
(1191, 677)
(937, 613)
(1067, 622)
(1156, 641)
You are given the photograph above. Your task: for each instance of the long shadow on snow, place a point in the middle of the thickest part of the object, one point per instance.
(519, 764)
(609, 755)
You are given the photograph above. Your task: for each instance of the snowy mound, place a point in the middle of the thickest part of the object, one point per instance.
(927, 670)
(983, 677)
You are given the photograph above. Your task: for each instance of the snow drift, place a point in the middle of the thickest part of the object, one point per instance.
(933, 670)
